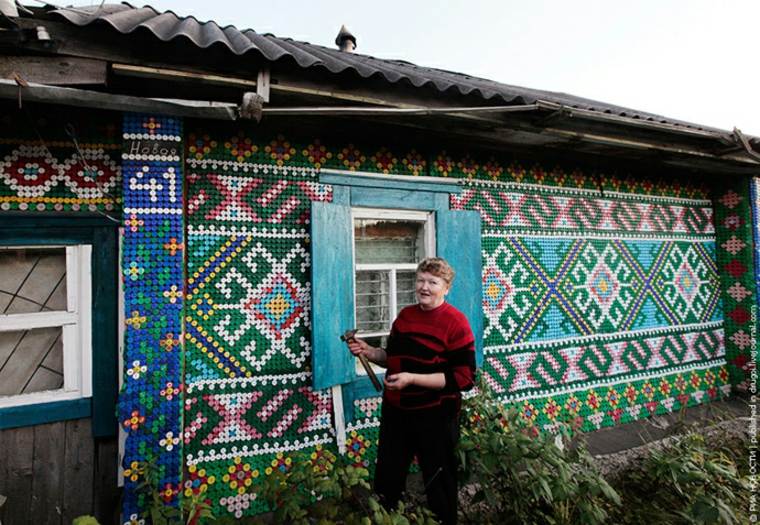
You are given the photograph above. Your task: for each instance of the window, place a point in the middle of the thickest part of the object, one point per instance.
(45, 306)
(387, 245)
(58, 321)
(365, 246)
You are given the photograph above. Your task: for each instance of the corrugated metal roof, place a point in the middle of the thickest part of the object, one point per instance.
(167, 26)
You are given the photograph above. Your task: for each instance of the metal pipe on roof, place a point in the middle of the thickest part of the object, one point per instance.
(563, 110)
(634, 122)
(638, 144)
(32, 92)
(367, 110)
(741, 140)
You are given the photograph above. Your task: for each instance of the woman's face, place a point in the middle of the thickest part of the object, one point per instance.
(431, 290)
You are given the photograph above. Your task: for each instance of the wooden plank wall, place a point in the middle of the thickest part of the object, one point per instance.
(55, 472)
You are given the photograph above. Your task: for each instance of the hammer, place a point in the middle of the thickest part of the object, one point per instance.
(347, 337)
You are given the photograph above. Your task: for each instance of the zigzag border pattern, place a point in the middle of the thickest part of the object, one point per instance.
(565, 211)
(542, 369)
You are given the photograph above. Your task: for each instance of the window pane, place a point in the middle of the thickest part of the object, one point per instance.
(372, 301)
(405, 282)
(388, 241)
(31, 361)
(32, 280)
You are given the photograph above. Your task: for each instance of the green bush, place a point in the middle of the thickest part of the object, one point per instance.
(523, 476)
(511, 474)
(686, 482)
(320, 491)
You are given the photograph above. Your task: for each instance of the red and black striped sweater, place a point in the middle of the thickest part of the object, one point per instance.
(426, 342)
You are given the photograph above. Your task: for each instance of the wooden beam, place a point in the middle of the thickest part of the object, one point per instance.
(289, 87)
(263, 84)
(93, 99)
(176, 74)
(528, 145)
(57, 71)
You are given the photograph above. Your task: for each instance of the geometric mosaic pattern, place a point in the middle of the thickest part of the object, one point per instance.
(249, 308)
(44, 169)
(248, 400)
(599, 291)
(150, 402)
(543, 288)
(733, 218)
(582, 290)
(601, 298)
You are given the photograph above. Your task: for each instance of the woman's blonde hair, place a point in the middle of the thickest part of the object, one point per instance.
(438, 267)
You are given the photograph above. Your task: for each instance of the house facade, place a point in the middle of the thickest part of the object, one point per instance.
(607, 260)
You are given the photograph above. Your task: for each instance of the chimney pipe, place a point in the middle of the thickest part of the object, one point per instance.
(8, 8)
(345, 40)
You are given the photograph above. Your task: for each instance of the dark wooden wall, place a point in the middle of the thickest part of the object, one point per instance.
(55, 472)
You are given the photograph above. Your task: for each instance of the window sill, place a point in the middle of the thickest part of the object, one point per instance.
(28, 415)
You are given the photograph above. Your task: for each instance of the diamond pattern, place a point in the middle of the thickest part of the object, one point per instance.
(535, 290)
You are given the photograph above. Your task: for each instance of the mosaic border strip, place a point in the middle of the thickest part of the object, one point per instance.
(755, 195)
(734, 232)
(60, 176)
(632, 357)
(241, 149)
(532, 211)
(150, 403)
(603, 338)
(563, 191)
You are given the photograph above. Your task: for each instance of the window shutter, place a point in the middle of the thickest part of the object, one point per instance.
(458, 241)
(332, 294)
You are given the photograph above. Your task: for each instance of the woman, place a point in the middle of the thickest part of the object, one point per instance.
(430, 359)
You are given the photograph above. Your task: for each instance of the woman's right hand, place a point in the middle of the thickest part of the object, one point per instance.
(361, 347)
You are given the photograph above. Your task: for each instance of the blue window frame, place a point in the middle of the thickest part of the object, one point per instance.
(457, 240)
(101, 234)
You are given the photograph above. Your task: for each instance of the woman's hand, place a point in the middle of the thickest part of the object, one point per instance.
(361, 347)
(435, 381)
(398, 381)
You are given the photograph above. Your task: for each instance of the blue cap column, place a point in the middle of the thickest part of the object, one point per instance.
(150, 402)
